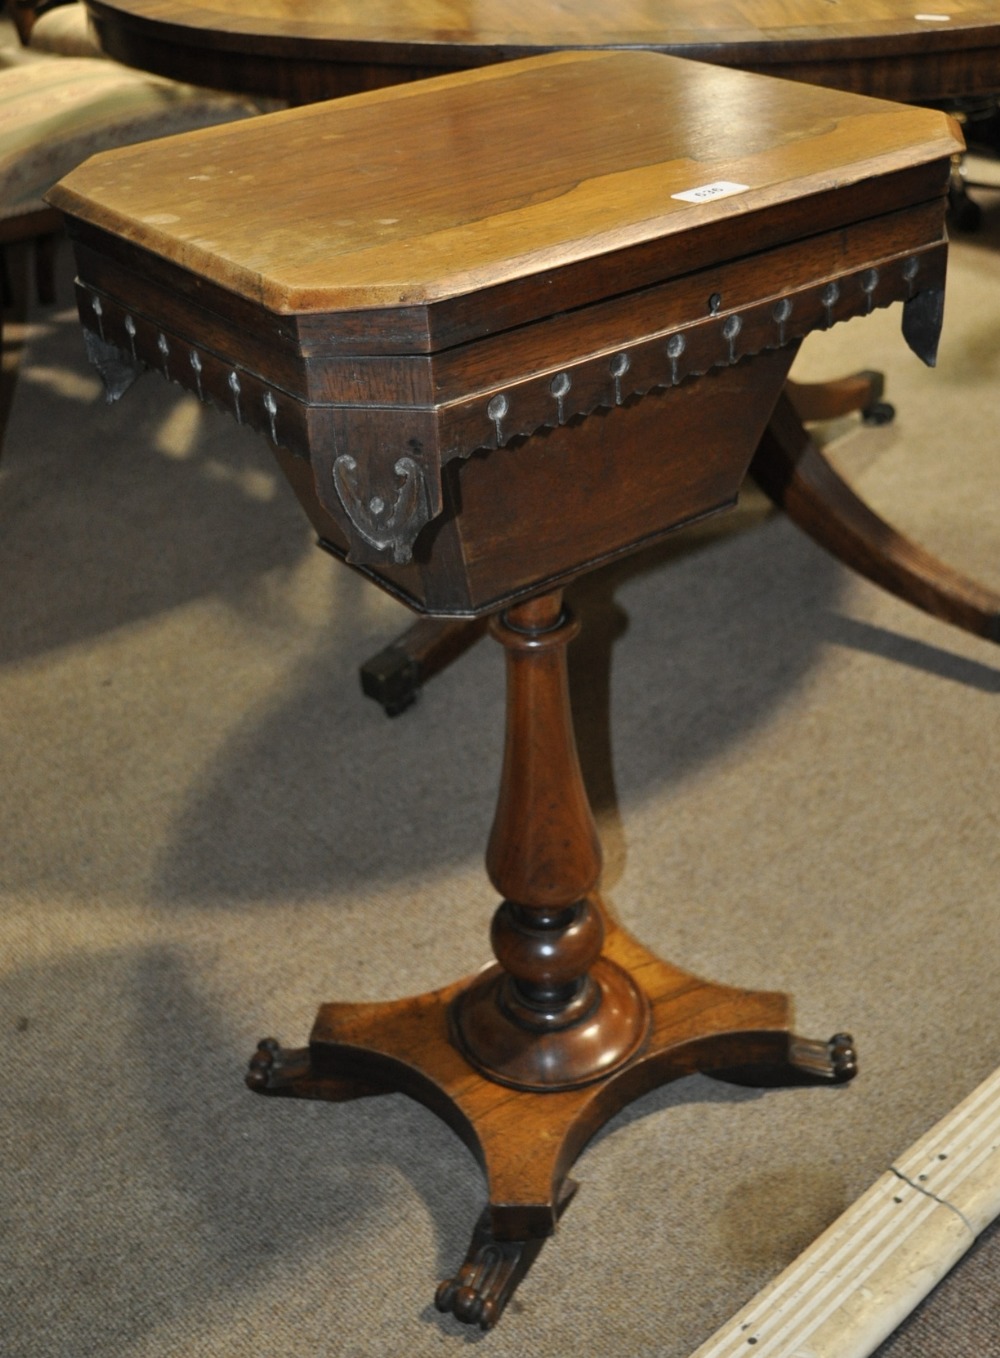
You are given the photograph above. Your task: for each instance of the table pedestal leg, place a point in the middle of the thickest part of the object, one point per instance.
(861, 392)
(790, 468)
(529, 1058)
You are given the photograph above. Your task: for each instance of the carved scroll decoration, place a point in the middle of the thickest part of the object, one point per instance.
(923, 316)
(116, 369)
(391, 521)
(492, 1269)
(378, 471)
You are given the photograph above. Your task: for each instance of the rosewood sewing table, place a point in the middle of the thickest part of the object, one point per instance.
(500, 327)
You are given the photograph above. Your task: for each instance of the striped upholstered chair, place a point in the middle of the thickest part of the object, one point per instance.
(56, 111)
(58, 27)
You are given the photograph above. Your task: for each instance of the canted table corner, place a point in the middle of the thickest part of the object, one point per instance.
(547, 324)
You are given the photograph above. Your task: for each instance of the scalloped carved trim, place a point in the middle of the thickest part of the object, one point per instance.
(654, 362)
(387, 499)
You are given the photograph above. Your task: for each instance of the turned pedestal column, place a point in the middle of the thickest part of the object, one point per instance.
(554, 1013)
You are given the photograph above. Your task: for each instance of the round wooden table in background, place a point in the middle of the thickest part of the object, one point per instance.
(326, 48)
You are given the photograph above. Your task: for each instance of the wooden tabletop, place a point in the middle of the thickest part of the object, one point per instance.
(890, 48)
(418, 192)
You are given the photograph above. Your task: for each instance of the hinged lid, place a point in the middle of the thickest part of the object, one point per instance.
(439, 211)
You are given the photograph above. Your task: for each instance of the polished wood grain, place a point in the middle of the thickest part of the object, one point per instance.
(554, 1013)
(329, 47)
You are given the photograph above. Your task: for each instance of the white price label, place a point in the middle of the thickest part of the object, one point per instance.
(707, 193)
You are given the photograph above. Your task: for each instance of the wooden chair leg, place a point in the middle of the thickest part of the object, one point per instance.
(396, 674)
(45, 268)
(42, 228)
(6, 291)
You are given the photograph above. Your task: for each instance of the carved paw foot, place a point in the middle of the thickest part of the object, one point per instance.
(805, 1062)
(835, 1060)
(297, 1072)
(492, 1269)
(274, 1068)
(486, 1280)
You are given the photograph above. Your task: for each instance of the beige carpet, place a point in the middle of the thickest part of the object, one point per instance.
(205, 830)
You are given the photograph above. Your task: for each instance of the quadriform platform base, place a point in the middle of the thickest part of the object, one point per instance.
(529, 1058)
(499, 328)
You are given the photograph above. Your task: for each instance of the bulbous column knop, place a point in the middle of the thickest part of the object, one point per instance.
(553, 1014)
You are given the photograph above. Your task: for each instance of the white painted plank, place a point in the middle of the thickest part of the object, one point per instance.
(860, 1279)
